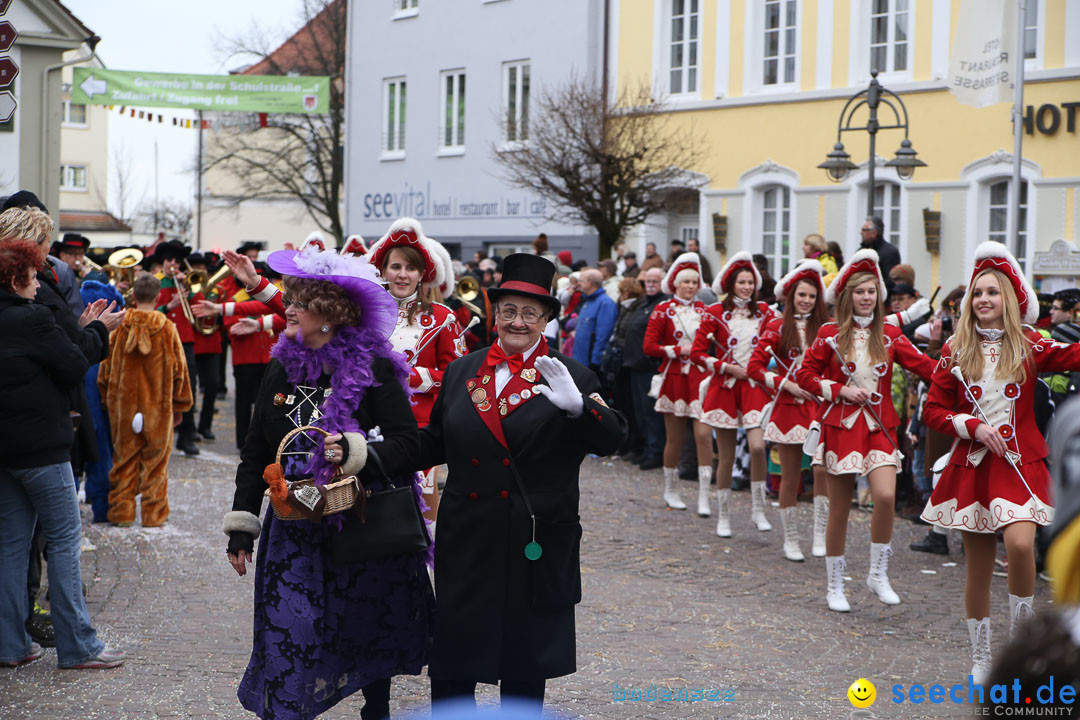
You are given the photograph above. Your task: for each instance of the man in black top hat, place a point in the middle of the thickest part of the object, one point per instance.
(250, 248)
(514, 424)
(72, 249)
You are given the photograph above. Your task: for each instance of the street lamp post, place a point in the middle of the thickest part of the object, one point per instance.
(838, 163)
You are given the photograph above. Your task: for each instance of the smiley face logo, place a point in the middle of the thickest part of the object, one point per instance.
(862, 693)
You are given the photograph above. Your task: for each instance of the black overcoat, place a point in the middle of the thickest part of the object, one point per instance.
(500, 615)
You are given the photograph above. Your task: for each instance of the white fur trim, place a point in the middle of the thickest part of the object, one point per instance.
(314, 240)
(804, 267)
(429, 246)
(840, 281)
(827, 390)
(357, 453)
(995, 250)
(352, 244)
(243, 521)
(959, 422)
(668, 285)
(228, 309)
(443, 256)
(738, 258)
(267, 322)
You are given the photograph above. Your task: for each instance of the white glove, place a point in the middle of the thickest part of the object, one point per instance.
(918, 308)
(560, 390)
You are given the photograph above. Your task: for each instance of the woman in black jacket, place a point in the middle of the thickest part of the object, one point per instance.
(41, 366)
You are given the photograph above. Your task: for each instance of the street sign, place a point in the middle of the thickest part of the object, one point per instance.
(7, 106)
(4, 5)
(228, 93)
(7, 36)
(8, 71)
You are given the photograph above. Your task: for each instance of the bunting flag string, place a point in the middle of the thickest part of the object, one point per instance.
(174, 120)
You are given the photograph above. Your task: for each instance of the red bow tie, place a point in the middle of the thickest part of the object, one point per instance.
(496, 355)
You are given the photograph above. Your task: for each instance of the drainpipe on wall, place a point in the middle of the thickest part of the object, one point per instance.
(91, 42)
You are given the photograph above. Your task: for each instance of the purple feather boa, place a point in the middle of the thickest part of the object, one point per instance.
(348, 359)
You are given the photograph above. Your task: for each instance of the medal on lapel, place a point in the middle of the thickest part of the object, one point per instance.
(515, 399)
(528, 374)
(503, 409)
(471, 385)
(486, 379)
(479, 396)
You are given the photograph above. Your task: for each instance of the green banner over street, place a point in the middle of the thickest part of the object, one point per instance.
(218, 93)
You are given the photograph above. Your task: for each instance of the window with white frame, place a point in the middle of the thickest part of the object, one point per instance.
(406, 8)
(74, 115)
(73, 177)
(776, 228)
(685, 46)
(452, 122)
(778, 55)
(688, 233)
(890, 35)
(887, 207)
(997, 221)
(393, 135)
(516, 100)
(1031, 29)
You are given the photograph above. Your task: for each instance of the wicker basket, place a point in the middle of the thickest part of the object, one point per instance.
(340, 494)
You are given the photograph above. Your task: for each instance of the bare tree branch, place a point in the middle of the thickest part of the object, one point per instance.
(172, 216)
(606, 164)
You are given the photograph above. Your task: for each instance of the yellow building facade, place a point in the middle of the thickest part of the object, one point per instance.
(763, 82)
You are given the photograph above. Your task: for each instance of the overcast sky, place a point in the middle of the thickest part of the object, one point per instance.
(175, 36)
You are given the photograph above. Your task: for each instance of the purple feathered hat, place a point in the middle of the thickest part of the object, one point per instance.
(360, 280)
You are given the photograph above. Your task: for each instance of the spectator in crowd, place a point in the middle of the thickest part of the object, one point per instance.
(766, 293)
(620, 254)
(42, 368)
(1063, 316)
(595, 321)
(64, 279)
(903, 273)
(837, 253)
(208, 351)
(642, 368)
(815, 248)
(609, 271)
(146, 387)
(677, 248)
(873, 237)
(487, 273)
(72, 250)
(692, 245)
(652, 258)
(615, 377)
(632, 269)
(565, 258)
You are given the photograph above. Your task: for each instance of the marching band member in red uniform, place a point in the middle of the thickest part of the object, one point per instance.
(727, 336)
(669, 335)
(850, 365)
(983, 393)
(793, 410)
(417, 270)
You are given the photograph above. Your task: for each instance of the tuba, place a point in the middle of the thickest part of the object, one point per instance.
(467, 290)
(198, 282)
(122, 263)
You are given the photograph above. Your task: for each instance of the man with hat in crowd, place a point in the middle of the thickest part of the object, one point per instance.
(514, 424)
(72, 249)
(208, 350)
(171, 254)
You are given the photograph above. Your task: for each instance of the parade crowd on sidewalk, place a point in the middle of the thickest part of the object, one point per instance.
(411, 416)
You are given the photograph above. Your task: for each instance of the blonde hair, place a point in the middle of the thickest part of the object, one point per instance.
(845, 309)
(26, 224)
(817, 242)
(965, 343)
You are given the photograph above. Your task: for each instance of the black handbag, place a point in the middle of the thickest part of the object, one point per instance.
(388, 524)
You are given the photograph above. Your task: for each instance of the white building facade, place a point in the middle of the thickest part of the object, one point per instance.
(434, 90)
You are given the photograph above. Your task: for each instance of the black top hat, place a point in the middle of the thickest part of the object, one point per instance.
(249, 245)
(530, 276)
(74, 241)
(902, 288)
(171, 249)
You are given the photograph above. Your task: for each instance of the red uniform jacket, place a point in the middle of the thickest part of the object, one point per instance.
(439, 336)
(253, 349)
(949, 411)
(822, 375)
(715, 322)
(758, 368)
(268, 293)
(663, 334)
(168, 289)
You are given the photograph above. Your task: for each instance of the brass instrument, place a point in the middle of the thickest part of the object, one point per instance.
(182, 289)
(122, 263)
(89, 266)
(467, 290)
(198, 282)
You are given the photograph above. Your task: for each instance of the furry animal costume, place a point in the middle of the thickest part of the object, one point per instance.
(145, 374)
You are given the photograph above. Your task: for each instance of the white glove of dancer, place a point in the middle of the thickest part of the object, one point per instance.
(918, 308)
(561, 390)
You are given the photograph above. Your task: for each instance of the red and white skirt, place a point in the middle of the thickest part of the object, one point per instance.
(989, 496)
(790, 422)
(679, 393)
(856, 451)
(738, 406)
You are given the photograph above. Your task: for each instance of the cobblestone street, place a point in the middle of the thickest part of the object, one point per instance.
(666, 602)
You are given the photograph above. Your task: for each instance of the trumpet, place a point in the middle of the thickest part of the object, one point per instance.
(88, 266)
(467, 290)
(198, 282)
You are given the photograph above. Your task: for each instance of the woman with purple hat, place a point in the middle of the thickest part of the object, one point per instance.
(324, 630)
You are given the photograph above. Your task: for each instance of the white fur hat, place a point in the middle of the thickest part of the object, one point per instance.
(993, 255)
(686, 261)
(741, 260)
(407, 232)
(865, 260)
(806, 270)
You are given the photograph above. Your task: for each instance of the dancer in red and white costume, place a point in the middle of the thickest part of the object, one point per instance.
(858, 421)
(793, 410)
(725, 340)
(669, 335)
(418, 272)
(996, 477)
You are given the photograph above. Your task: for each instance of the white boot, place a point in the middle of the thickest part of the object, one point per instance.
(979, 631)
(1019, 612)
(757, 506)
(821, 521)
(723, 513)
(671, 494)
(878, 578)
(792, 551)
(834, 567)
(704, 479)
